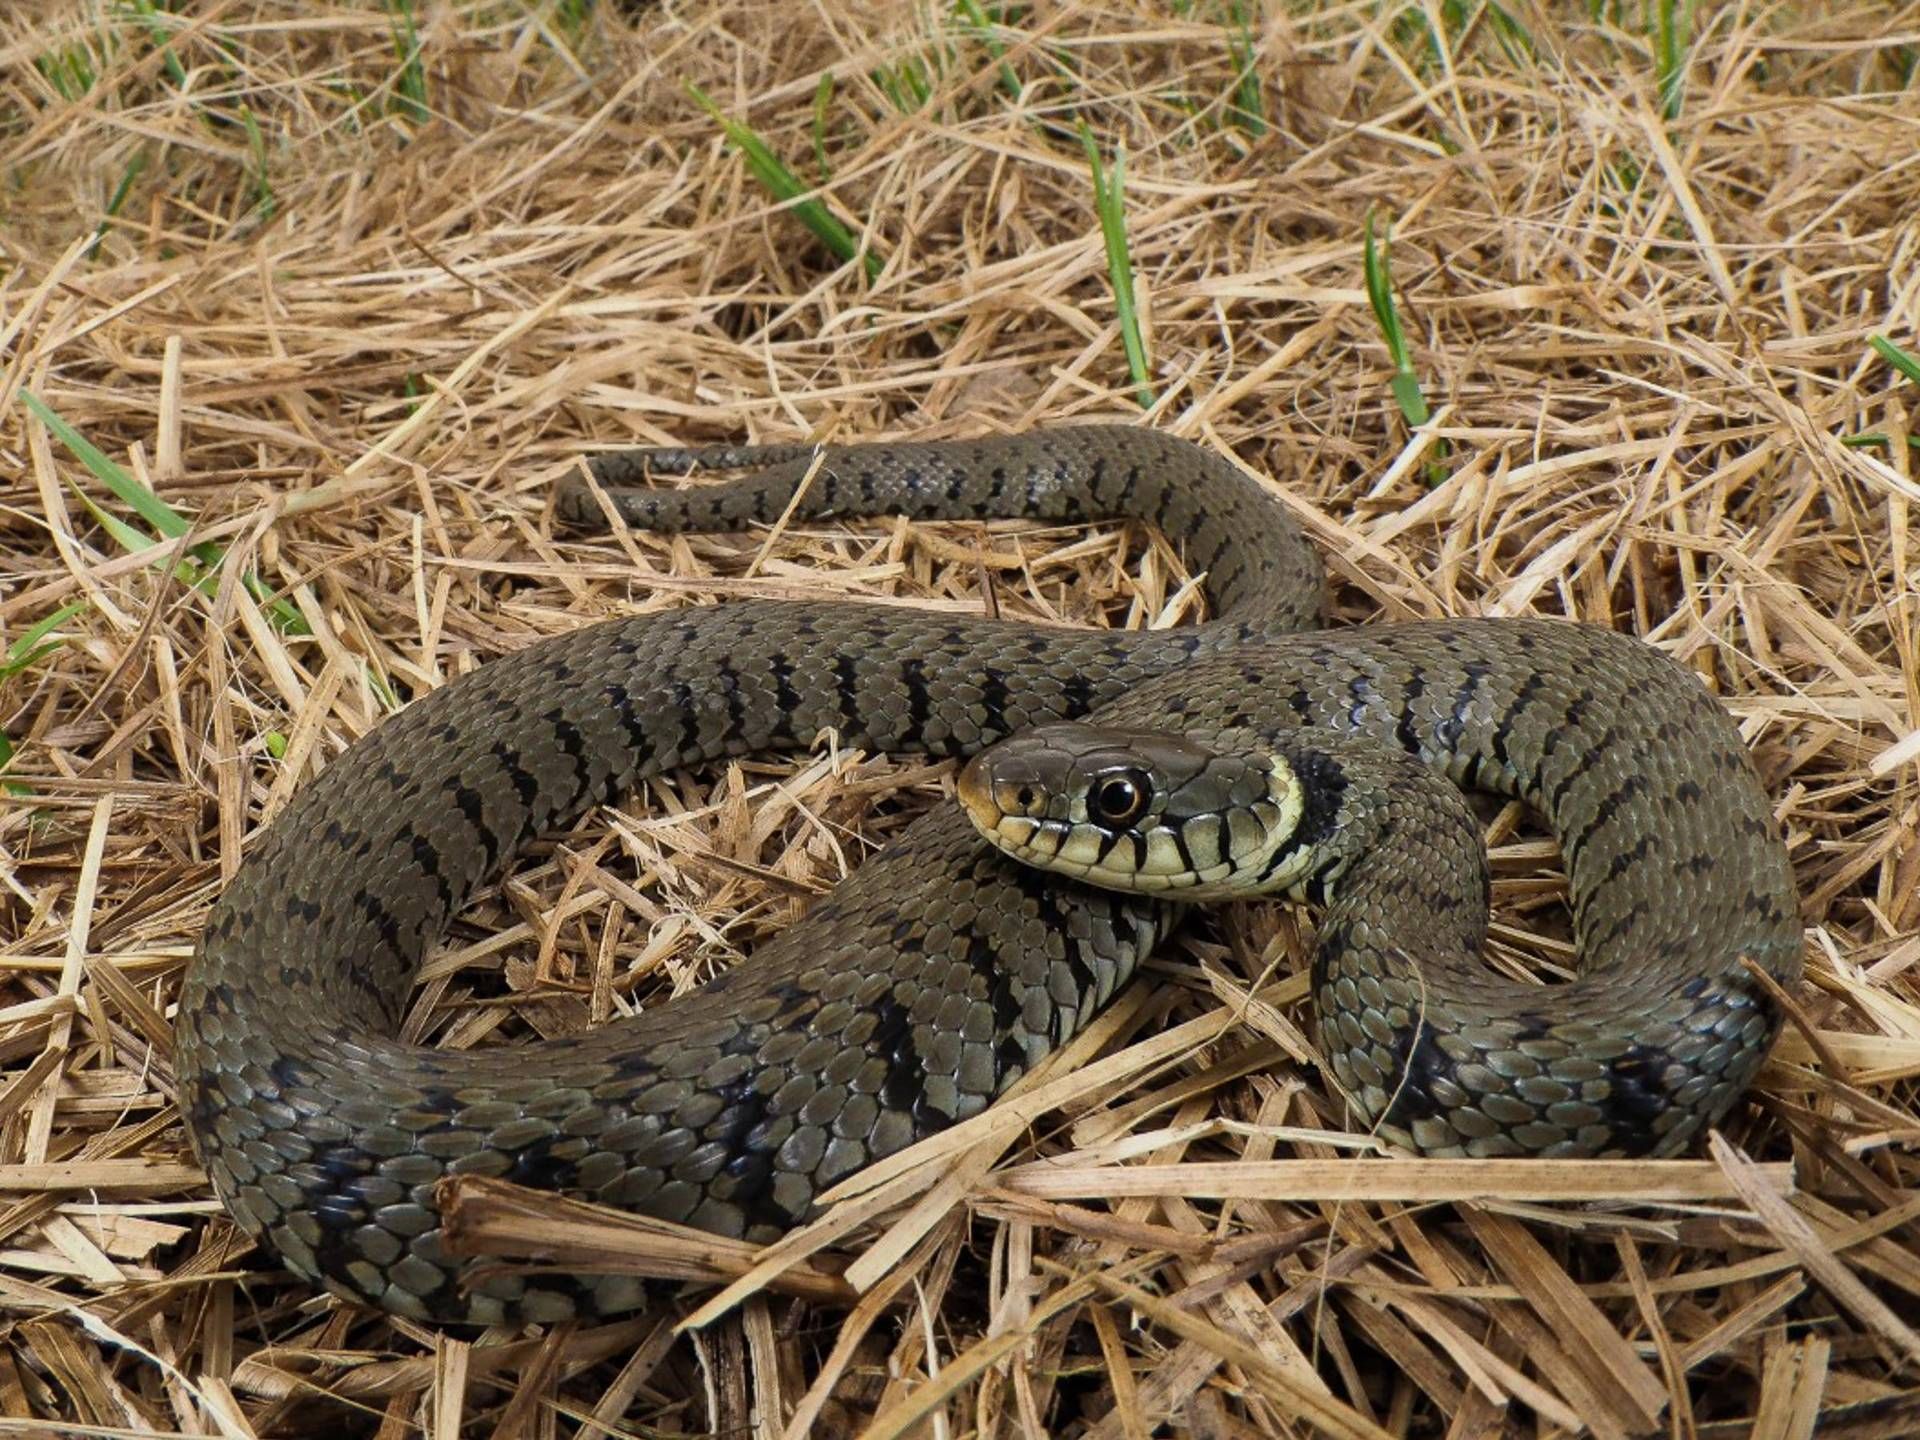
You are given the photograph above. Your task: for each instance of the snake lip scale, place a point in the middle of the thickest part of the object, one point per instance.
(941, 970)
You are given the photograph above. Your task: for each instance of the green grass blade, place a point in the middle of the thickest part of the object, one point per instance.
(780, 181)
(1515, 39)
(1670, 54)
(982, 26)
(1907, 364)
(1110, 205)
(1380, 297)
(135, 165)
(1406, 394)
(410, 85)
(130, 538)
(33, 642)
(167, 523)
(1404, 383)
(11, 787)
(1901, 360)
(165, 520)
(382, 691)
(257, 147)
(1248, 107)
(161, 37)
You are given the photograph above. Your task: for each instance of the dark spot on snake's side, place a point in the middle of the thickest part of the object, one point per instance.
(1529, 690)
(1625, 860)
(752, 1177)
(524, 783)
(573, 745)
(1686, 792)
(846, 682)
(786, 698)
(384, 920)
(394, 776)
(205, 1104)
(641, 743)
(1301, 703)
(1411, 690)
(994, 696)
(327, 1178)
(1417, 1061)
(984, 961)
(472, 805)
(1360, 690)
(1046, 899)
(336, 1249)
(686, 703)
(632, 1064)
(892, 1040)
(1077, 690)
(1336, 938)
(290, 1074)
(538, 1168)
(1639, 1096)
(427, 856)
(1603, 813)
(728, 681)
(913, 674)
(1617, 931)
(742, 1129)
(1585, 765)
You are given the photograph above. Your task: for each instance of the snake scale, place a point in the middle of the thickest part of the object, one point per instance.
(940, 970)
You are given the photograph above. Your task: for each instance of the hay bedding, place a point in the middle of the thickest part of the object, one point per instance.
(352, 315)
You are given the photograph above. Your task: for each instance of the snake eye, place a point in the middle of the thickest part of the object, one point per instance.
(1119, 800)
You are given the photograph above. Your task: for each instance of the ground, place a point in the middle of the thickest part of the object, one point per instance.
(303, 310)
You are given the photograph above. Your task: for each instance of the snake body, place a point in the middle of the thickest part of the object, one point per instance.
(940, 971)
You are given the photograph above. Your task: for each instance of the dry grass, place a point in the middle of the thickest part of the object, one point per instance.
(352, 316)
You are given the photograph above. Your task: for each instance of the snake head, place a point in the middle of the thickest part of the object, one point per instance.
(1141, 810)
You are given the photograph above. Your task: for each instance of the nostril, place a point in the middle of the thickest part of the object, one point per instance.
(1026, 797)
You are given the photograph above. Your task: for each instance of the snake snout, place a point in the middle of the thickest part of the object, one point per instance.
(1002, 783)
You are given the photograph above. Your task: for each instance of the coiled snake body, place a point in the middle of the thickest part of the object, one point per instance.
(940, 970)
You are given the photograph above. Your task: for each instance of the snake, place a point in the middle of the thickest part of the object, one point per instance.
(940, 970)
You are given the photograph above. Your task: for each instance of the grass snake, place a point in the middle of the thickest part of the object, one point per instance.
(941, 970)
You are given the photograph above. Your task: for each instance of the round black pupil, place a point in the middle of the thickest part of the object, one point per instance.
(1118, 798)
